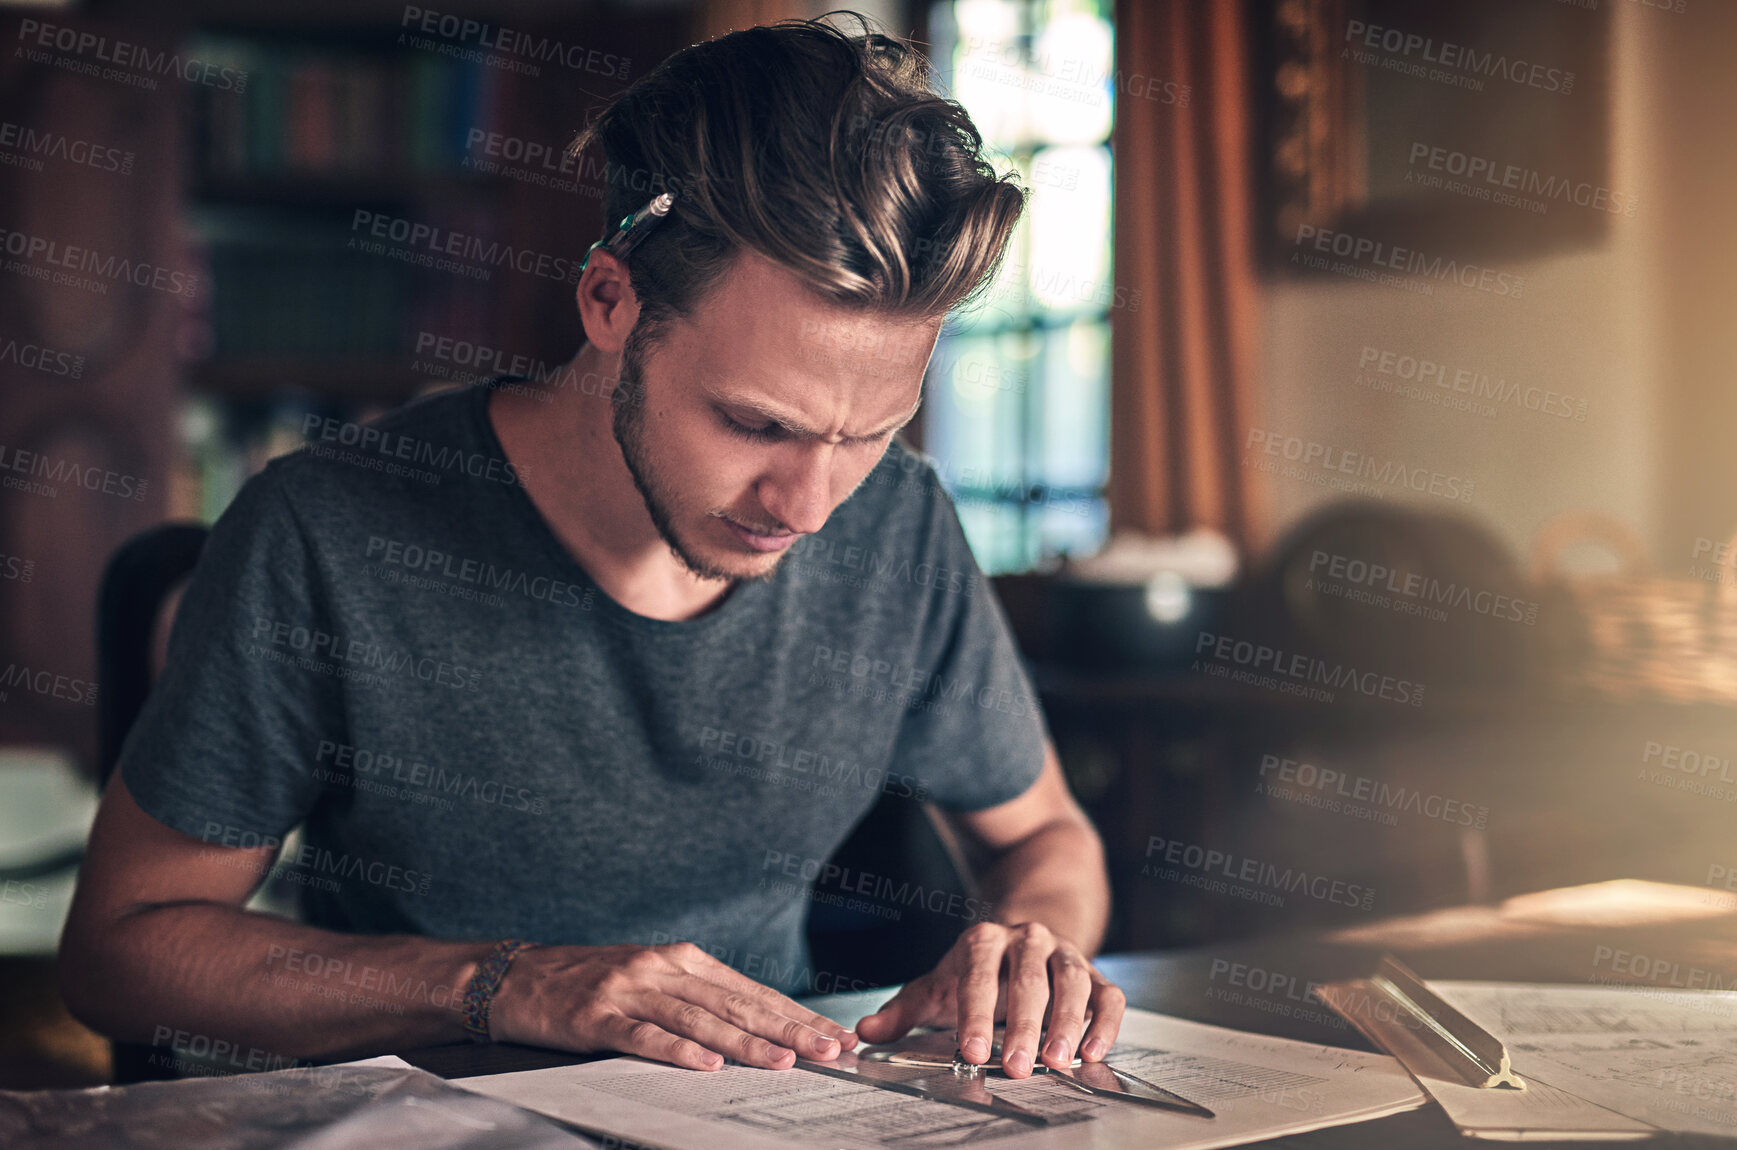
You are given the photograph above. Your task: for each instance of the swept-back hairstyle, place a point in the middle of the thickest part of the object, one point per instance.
(830, 154)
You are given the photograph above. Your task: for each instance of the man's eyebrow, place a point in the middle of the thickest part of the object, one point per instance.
(783, 420)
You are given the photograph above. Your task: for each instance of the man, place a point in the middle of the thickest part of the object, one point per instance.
(502, 652)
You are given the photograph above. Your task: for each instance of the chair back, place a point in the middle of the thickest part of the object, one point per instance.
(135, 585)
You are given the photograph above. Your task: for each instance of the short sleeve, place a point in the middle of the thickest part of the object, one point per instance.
(974, 735)
(221, 749)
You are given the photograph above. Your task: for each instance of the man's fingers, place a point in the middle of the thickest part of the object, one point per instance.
(916, 1004)
(979, 987)
(697, 962)
(1070, 984)
(757, 1014)
(649, 1040)
(691, 1020)
(1108, 1005)
(1028, 952)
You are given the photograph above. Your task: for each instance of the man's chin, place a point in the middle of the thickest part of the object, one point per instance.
(729, 563)
(751, 566)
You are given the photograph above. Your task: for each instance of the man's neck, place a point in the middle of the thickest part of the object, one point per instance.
(573, 471)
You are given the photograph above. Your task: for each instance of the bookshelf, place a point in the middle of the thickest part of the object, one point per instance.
(349, 206)
(326, 138)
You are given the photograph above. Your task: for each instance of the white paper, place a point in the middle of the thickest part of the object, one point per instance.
(375, 1104)
(1259, 1087)
(1539, 1112)
(1663, 1058)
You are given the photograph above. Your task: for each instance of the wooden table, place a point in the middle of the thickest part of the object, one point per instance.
(1643, 933)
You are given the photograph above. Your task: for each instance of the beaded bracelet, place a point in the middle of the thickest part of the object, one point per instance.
(479, 992)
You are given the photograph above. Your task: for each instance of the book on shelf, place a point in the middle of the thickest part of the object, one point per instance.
(311, 110)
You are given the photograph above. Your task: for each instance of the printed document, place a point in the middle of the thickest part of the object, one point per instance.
(1258, 1087)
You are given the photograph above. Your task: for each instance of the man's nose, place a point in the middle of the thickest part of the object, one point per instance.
(799, 492)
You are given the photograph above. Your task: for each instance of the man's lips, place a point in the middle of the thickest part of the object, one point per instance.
(761, 542)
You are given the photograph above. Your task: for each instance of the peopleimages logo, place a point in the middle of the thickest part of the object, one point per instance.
(1376, 256)
(19, 677)
(730, 745)
(428, 244)
(1426, 591)
(768, 968)
(396, 776)
(27, 894)
(321, 863)
(371, 440)
(1689, 762)
(207, 1049)
(1331, 462)
(35, 357)
(1342, 793)
(822, 553)
(478, 572)
(1657, 970)
(134, 64)
(1306, 668)
(47, 472)
(45, 258)
(1468, 383)
(808, 871)
(341, 978)
(905, 681)
(1688, 771)
(1496, 180)
(356, 658)
(462, 30)
(34, 145)
(1213, 869)
(1464, 65)
(1270, 991)
(480, 359)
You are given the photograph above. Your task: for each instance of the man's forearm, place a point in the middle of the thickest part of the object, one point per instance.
(212, 973)
(1055, 877)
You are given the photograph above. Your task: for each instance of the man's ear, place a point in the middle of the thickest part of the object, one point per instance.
(608, 308)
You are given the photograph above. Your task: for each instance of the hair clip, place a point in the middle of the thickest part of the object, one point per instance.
(632, 229)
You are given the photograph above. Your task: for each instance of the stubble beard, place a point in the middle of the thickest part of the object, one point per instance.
(627, 403)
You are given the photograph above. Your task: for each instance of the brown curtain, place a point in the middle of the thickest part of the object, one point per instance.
(1184, 360)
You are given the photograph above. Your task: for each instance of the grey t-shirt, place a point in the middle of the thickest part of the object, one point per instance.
(385, 641)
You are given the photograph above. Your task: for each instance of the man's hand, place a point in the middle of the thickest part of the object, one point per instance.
(672, 1003)
(1026, 974)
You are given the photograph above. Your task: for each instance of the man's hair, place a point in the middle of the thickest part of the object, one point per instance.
(830, 154)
